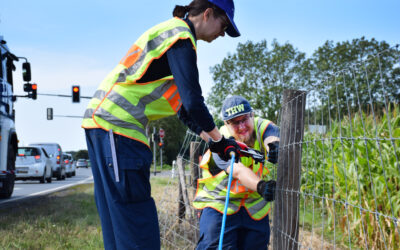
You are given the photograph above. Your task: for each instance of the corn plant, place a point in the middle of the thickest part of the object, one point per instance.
(350, 177)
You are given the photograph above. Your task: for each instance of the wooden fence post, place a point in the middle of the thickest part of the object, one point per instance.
(286, 207)
(182, 183)
(194, 163)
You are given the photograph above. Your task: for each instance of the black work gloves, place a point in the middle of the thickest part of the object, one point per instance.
(273, 152)
(267, 189)
(224, 147)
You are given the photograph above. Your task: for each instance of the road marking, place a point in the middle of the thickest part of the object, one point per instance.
(49, 190)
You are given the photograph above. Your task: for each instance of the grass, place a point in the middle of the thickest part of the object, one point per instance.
(63, 220)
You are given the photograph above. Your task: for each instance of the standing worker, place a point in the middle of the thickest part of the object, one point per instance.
(247, 222)
(158, 77)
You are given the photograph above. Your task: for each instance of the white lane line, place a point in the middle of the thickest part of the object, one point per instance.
(49, 190)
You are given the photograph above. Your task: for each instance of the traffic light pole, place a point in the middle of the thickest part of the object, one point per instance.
(84, 97)
(162, 142)
(154, 150)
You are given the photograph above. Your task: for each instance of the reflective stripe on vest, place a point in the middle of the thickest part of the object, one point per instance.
(125, 106)
(211, 191)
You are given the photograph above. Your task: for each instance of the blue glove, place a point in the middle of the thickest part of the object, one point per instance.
(267, 189)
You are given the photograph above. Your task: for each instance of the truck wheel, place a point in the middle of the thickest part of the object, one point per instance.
(8, 184)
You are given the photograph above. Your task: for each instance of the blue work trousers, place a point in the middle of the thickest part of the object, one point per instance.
(241, 231)
(127, 211)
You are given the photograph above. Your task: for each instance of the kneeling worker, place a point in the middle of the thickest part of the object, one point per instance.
(247, 223)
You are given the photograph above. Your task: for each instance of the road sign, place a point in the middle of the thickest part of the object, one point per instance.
(161, 132)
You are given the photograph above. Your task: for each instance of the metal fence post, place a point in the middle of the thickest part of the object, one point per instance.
(286, 207)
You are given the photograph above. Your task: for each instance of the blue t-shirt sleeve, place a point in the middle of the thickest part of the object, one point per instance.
(188, 121)
(221, 164)
(182, 61)
(271, 130)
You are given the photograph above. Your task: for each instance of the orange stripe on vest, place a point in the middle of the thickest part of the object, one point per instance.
(175, 101)
(132, 56)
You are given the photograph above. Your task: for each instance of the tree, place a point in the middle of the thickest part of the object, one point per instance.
(357, 72)
(175, 132)
(259, 75)
(81, 154)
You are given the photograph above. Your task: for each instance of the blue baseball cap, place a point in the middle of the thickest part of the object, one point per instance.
(229, 7)
(235, 106)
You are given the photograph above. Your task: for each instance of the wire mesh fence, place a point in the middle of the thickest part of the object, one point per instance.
(338, 175)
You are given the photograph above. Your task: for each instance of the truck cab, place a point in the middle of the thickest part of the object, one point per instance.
(8, 134)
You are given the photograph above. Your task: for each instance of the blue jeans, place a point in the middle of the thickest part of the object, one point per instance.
(241, 231)
(127, 211)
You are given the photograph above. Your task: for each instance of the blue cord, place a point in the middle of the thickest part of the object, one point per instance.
(221, 236)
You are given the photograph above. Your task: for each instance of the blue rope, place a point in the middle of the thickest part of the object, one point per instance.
(221, 236)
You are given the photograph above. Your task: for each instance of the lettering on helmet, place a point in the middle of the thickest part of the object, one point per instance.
(235, 109)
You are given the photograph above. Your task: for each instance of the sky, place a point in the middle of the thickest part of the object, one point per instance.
(79, 42)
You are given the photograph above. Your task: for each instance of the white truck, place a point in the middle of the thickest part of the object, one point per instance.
(8, 134)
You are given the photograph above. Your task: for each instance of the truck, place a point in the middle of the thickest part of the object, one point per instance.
(8, 134)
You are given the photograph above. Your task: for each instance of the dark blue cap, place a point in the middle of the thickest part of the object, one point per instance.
(235, 106)
(229, 7)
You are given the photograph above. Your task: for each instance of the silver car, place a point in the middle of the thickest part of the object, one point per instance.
(56, 156)
(82, 163)
(69, 165)
(33, 163)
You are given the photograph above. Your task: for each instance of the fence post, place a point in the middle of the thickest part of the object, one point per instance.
(194, 164)
(286, 207)
(182, 184)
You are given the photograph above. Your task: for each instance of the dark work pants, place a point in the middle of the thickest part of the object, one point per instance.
(127, 211)
(241, 231)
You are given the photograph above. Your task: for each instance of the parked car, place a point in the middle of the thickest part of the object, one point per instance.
(33, 163)
(82, 163)
(69, 165)
(56, 156)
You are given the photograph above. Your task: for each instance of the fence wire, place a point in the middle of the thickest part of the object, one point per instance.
(349, 178)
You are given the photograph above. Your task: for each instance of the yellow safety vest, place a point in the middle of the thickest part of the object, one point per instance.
(126, 106)
(211, 190)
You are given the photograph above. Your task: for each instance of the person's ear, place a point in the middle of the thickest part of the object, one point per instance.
(207, 14)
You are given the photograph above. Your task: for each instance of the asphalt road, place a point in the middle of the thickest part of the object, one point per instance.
(26, 189)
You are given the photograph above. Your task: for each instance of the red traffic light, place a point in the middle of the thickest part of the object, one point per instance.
(76, 93)
(160, 144)
(34, 91)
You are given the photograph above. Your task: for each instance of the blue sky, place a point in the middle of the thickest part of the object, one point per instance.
(79, 42)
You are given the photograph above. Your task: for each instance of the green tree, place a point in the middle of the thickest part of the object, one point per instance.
(259, 75)
(358, 72)
(81, 154)
(175, 132)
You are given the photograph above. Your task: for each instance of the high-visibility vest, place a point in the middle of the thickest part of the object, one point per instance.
(211, 190)
(126, 106)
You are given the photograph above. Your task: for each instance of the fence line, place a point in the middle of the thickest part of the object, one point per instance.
(349, 181)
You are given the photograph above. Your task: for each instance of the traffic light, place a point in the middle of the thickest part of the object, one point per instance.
(161, 144)
(34, 91)
(27, 87)
(49, 113)
(76, 93)
(26, 71)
